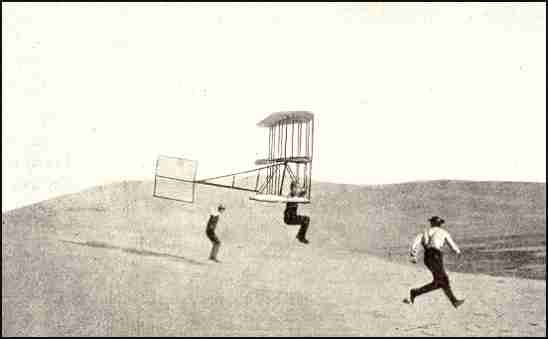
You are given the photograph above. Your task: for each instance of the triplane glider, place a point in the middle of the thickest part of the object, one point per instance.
(289, 159)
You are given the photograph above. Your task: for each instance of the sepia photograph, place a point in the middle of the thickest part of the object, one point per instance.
(283, 169)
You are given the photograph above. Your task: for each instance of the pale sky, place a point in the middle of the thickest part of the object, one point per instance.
(93, 93)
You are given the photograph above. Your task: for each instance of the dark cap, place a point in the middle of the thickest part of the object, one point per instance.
(436, 220)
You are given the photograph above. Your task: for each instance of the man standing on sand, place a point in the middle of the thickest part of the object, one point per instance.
(432, 240)
(292, 218)
(210, 231)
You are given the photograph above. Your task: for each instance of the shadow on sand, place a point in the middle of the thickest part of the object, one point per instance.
(99, 244)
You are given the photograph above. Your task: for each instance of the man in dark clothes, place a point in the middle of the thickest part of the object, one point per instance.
(432, 240)
(292, 218)
(210, 231)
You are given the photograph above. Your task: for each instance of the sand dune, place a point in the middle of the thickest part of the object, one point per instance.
(114, 261)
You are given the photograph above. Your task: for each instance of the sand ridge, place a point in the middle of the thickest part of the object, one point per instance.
(121, 271)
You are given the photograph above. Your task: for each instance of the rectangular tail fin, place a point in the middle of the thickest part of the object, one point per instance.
(175, 178)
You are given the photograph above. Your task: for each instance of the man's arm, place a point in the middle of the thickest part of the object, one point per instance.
(452, 244)
(415, 248)
(301, 192)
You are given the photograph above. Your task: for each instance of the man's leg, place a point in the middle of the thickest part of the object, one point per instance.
(429, 261)
(425, 289)
(291, 219)
(212, 252)
(304, 221)
(415, 292)
(449, 292)
(441, 278)
(216, 244)
(443, 282)
(215, 251)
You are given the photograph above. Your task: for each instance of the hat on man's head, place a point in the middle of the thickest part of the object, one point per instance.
(436, 220)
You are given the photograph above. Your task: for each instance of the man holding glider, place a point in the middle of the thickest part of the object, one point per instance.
(432, 240)
(290, 214)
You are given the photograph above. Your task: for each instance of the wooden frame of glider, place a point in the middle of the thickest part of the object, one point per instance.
(290, 153)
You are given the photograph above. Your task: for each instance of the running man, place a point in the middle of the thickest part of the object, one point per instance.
(210, 231)
(432, 240)
(290, 214)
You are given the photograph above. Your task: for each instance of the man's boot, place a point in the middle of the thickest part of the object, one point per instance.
(301, 235)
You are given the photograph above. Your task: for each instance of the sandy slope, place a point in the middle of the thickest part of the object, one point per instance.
(113, 261)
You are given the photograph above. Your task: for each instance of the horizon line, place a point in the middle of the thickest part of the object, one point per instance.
(111, 183)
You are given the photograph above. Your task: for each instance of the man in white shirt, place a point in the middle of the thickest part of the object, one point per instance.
(432, 240)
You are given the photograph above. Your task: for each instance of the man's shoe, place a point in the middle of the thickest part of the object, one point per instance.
(457, 303)
(412, 295)
(302, 239)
